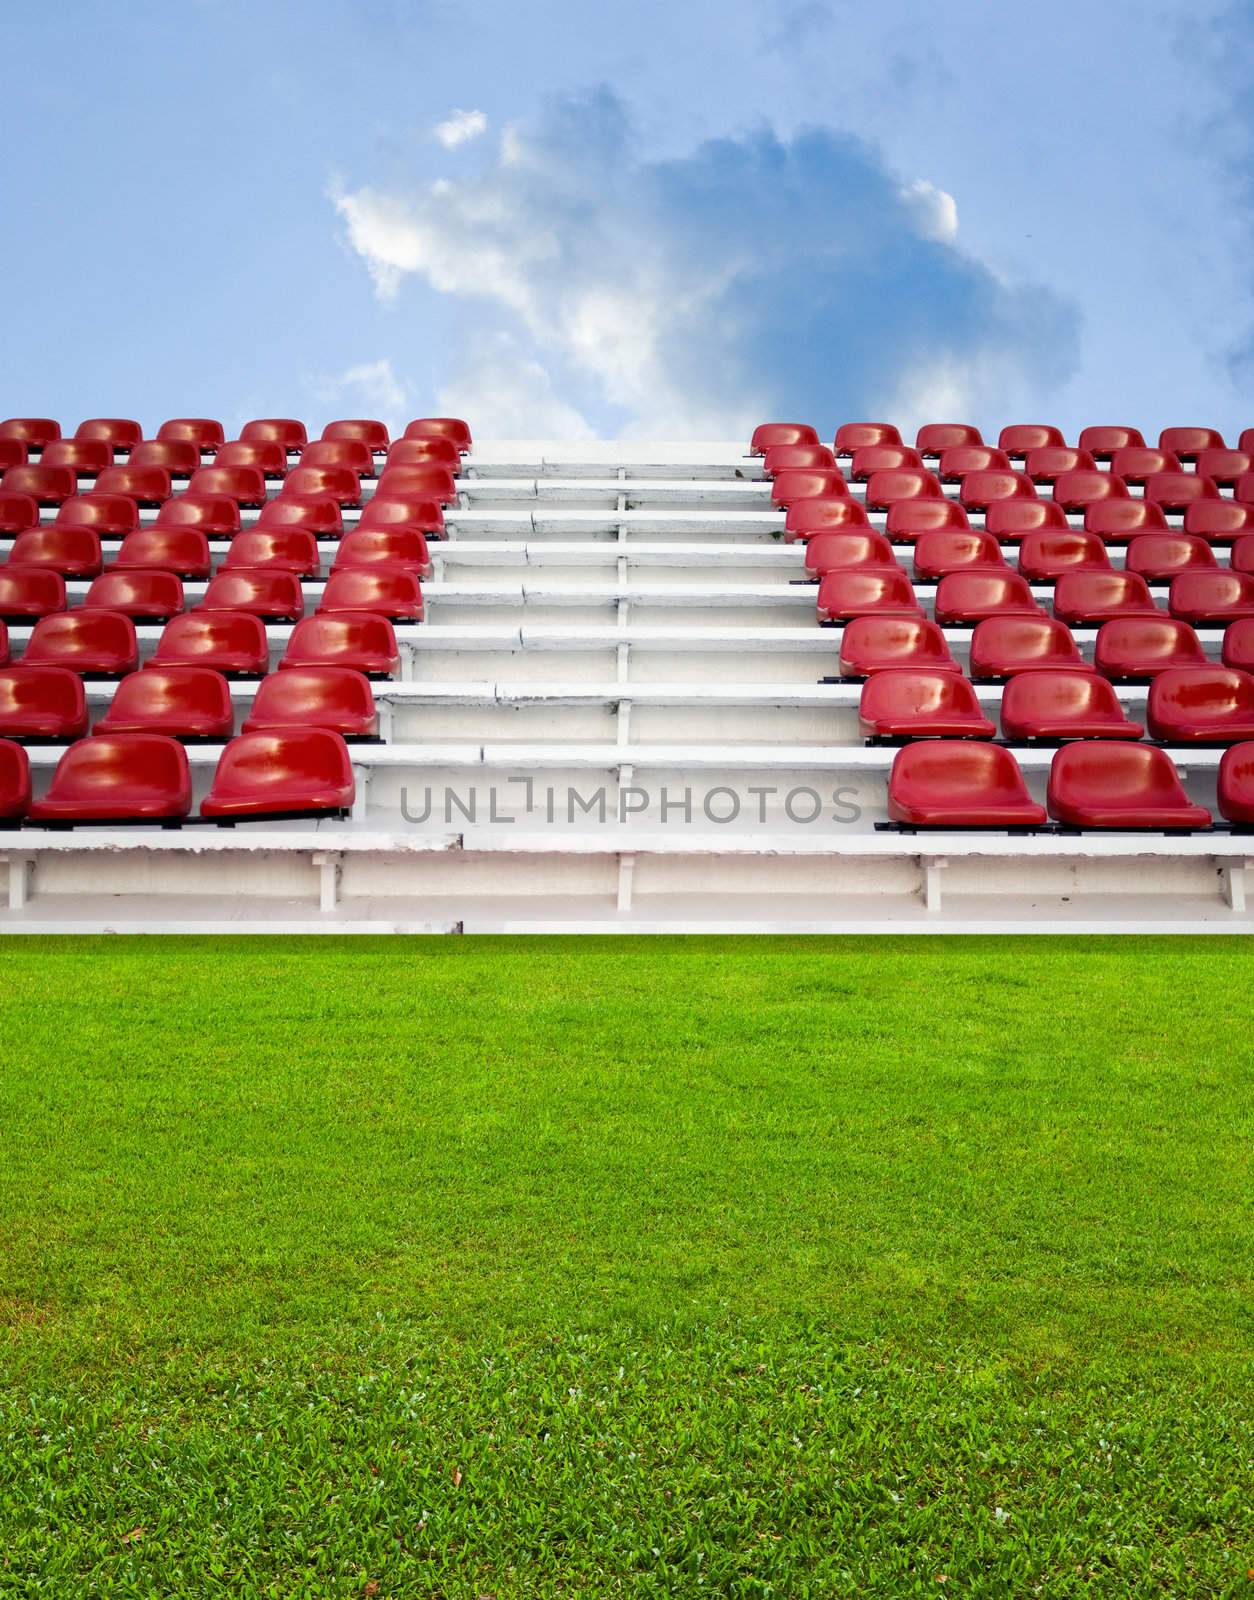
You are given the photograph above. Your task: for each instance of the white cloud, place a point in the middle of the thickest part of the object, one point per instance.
(935, 210)
(460, 127)
(692, 297)
(509, 395)
(371, 387)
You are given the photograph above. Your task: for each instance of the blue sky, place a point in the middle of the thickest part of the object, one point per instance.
(646, 219)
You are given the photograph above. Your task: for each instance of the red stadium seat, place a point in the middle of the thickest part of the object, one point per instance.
(265, 592)
(1064, 705)
(355, 639)
(955, 550)
(73, 552)
(179, 457)
(121, 777)
(1087, 597)
(779, 458)
(214, 515)
(444, 453)
(1021, 438)
(291, 549)
(358, 430)
(1105, 785)
(119, 433)
(909, 520)
(1173, 491)
(804, 519)
(34, 432)
(28, 592)
(765, 435)
(282, 773)
(966, 597)
(459, 432)
(47, 486)
(1136, 463)
(1238, 645)
(883, 458)
(887, 489)
(4, 644)
(1011, 520)
(203, 432)
(1048, 464)
(1188, 443)
(1132, 649)
(1211, 597)
(316, 697)
(865, 592)
(1243, 490)
(144, 596)
(286, 432)
(801, 483)
(854, 436)
(934, 438)
(834, 552)
(409, 511)
(321, 517)
(1043, 557)
(404, 547)
(355, 454)
(1103, 441)
(1223, 467)
(1158, 557)
(1118, 520)
(386, 591)
(13, 454)
(340, 484)
(147, 486)
(960, 459)
(183, 551)
(42, 703)
(97, 643)
(1201, 705)
(1002, 647)
(233, 643)
(245, 485)
(980, 490)
(181, 702)
(17, 511)
(967, 785)
(912, 704)
(1236, 785)
(269, 456)
(1077, 491)
(1242, 558)
(15, 791)
(83, 456)
(877, 644)
(112, 516)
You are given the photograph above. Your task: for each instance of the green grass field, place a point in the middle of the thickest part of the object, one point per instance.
(753, 1268)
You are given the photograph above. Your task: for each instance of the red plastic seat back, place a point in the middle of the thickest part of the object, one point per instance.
(1236, 784)
(34, 432)
(27, 592)
(960, 459)
(1176, 490)
(1158, 557)
(84, 641)
(355, 454)
(1117, 520)
(17, 511)
(73, 552)
(112, 516)
(1201, 704)
(877, 644)
(1141, 646)
(1081, 597)
(351, 639)
(184, 551)
(87, 456)
(214, 515)
(148, 486)
(459, 432)
(286, 432)
(266, 592)
(1223, 467)
(963, 597)
(907, 702)
(765, 436)
(1098, 784)
(268, 456)
(358, 430)
(982, 489)
(178, 457)
(967, 784)
(143, 596)
(119, 433)
(1211, 597)
(203, 432)
(804, 519)
(1136, 463)
(1048, 464)
(832, 551)
(1188, 443)
(245, 485)
(802, 483)
(427, 452)
(854, 436)
(320, 516)
(48, 486)
(1076, 491)
(1003, 646)
(860, 591)
(399, 547)
(1012, 520)
(1019, 438)
(1103, 440)
(1066, 703)
(340, 484)
(42, 703)
(872, 458)
(183, 702)
(779, 458)
(403, 511)
(934, 438)
(122, 776)
(909, 520)
(1046, 556)
(887, 489)
(280, 771)
(315, 697)
(953, 550)
(394, 592)
(230, 642)
(290, 549)
(15, 791)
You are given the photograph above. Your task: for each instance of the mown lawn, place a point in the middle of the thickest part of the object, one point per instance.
(738, 1267)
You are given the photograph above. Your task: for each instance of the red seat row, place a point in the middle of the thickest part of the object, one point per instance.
(1100, 784)
(104, 643)
(1187, 705)
(145, 777)
(1128, 650)
(205, 433)
(1017, 439)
